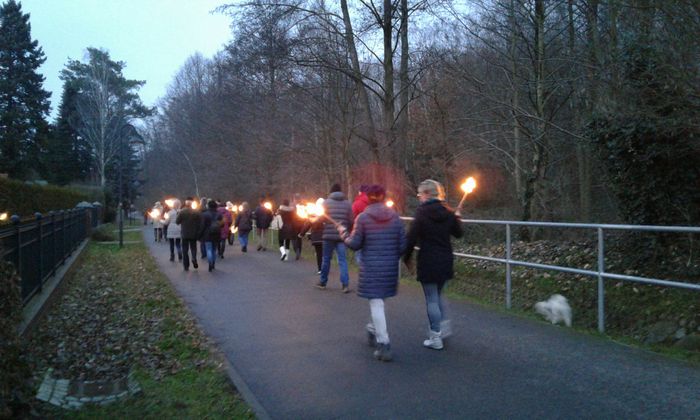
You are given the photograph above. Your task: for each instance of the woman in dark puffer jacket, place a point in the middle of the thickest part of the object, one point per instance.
(379, 232)
(431, 229)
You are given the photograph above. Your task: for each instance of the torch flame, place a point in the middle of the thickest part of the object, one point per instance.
(170, 202)
(155, 213)
(3, 216)
(167, 216)
(469, 185)
(267, 205)
(320, 211)
(301, 211)
(194, 205)
(240, 208)
(390, 203)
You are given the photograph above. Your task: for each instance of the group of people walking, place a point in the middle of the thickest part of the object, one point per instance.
(368, 226)
(378, 236)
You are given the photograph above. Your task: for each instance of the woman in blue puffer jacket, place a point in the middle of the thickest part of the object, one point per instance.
(379, 233)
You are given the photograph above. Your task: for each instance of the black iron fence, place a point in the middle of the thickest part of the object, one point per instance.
(38, 247)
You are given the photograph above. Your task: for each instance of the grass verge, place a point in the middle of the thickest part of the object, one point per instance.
(180, 372)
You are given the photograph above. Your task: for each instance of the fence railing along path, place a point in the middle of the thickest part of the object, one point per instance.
(600, 273)
(38, 246)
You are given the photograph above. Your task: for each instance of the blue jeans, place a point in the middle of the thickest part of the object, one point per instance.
(328, 248)
(433, 303)
(243, 238)
(211, 251)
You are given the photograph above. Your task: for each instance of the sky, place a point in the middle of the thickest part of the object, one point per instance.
(153, 37)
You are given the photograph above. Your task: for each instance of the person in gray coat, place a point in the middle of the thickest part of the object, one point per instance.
(339, 209)
(379, 233)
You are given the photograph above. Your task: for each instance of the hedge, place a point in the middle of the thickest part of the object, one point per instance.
(24, 199)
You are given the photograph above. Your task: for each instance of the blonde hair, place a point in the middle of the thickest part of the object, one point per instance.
(177, 204)
(433, 188)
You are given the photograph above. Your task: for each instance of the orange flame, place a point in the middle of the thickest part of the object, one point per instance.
(469, 185)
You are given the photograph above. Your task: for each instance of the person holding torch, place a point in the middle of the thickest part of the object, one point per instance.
(432, 226)
(379, 233)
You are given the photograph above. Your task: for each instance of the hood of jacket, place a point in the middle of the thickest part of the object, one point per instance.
(380, 212)
(435, 210)
(337, 196)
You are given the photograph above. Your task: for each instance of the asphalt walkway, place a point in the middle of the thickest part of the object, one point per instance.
(298, 352)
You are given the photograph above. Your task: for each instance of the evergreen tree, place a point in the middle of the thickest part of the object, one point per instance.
(24, 103)
(67, 156)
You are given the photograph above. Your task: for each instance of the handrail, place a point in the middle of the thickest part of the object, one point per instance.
(601, 274)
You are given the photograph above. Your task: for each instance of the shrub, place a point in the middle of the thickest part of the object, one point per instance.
(26, 199)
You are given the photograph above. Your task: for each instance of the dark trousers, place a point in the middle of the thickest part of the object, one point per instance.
(284, 242)
(222, 247)
(202, 249)
(318, 247)
(175, 243)
(187, 246)
(296, 243)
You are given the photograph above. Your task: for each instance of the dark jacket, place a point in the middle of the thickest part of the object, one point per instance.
(315, 228)
(244, 221)
(288, 230)
(380, 234)
(208, 217)
(190, 222)
(262, 217)
(431, 230)
(338, 208)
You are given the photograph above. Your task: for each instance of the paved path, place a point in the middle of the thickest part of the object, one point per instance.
(298, 352)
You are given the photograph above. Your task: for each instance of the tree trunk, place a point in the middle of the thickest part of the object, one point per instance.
(361, 90)
(388, 64)
(405, 147)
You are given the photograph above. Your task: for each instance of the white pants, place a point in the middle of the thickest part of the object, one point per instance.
(376, 307)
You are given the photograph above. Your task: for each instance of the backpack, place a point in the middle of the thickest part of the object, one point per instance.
(215, 227)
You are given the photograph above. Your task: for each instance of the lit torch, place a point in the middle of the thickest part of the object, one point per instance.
(301, 211)
(390, 203)
(169, 202)
(468, 186)
(155, 213)
(194, 205)
(3, 216)
(267, 205)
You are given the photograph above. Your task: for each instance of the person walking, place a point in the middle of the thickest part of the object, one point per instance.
(263, 218)
(211, 222)
(157, 217)
(379, 233)
(227, 221)
(361, 201)
(432, 226)
(340, 211)
(174, 231)
(314, 227)
(244, 223)
(190, 222)
(287, 231)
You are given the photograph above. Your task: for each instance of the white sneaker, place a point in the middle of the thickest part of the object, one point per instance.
(434, 341)
(445, 328)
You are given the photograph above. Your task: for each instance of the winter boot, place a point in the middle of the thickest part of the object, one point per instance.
(434, 341)
(383, 352)
(282, 252)
(286, 255)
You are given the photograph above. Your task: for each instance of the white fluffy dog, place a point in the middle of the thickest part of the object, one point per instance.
(555, 309)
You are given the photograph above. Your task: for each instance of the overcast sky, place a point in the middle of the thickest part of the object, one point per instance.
(153, 37)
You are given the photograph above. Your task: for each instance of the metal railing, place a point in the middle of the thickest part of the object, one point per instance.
(38, 247)
(600, 273)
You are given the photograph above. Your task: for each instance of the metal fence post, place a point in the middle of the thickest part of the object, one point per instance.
(601, 289)
(40, 236)
(16, 222)
(508, 267)
(52, 214)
